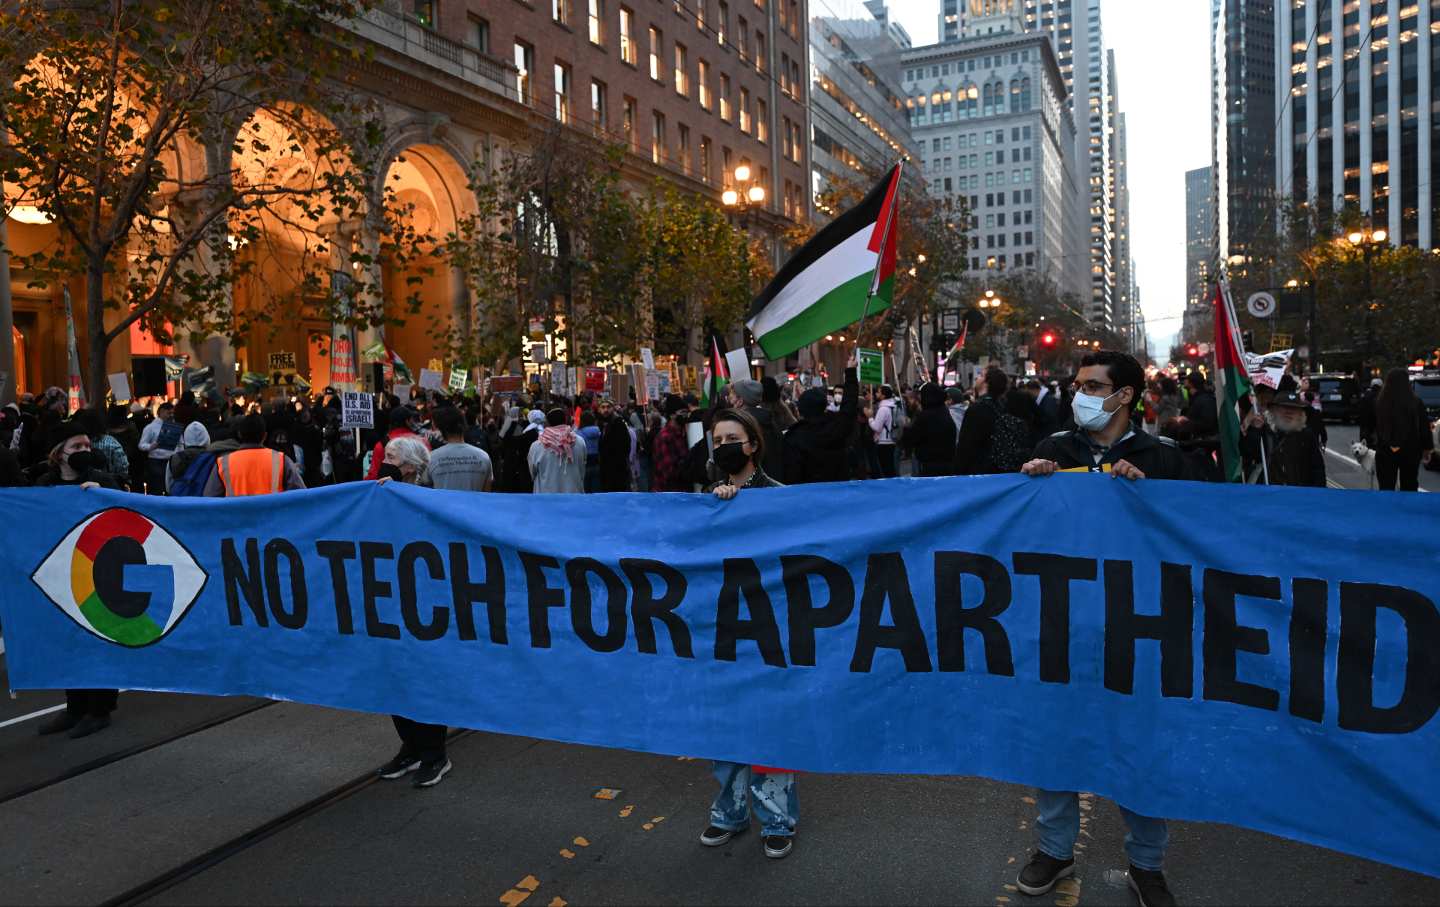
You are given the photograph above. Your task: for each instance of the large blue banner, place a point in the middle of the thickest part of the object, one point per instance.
(1265, 657)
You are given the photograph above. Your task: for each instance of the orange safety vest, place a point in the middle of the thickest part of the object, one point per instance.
(256, 470)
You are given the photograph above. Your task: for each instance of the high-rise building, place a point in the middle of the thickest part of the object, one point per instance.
(858, 119)
(881, 11)
(1199, 250)
(1243, 75)
(1074, 29)
(1127, 308)
(989, 114)
(1354, 87)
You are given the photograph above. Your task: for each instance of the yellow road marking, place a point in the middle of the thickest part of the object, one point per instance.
(567, 853)
(607, 793)
(529, 883)
(625, 813)
(581, 842)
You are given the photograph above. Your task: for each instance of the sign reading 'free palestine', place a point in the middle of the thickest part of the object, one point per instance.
(1066, 632)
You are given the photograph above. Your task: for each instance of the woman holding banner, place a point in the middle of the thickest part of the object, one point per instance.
(422, 746)
(739, 449)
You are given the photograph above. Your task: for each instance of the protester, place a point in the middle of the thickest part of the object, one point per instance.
(117, 421)
(930, 437)
(193, 444)
(72, 462)
(422, 750)
(739, 451)
(748, 395)
(402, 421)
(1201, 410)
(252, 468)
(1366, 418)
(1402, 434)
(992, 440)
(589, 433)
(816, 447)
(458, 466)
(616, 449)
(515, 444)
(1293, 452)
(557, 461)
(883, 424)
(955, 403)
(1107, 389)
(159, 441)
(668, 455)
(1167, 407)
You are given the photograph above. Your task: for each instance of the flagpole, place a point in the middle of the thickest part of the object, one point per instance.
(1237, 341)
(880, 260)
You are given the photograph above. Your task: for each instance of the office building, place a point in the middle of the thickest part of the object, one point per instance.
(1199, 252)
(1243, 100)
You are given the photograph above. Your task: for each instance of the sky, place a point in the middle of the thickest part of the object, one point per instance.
(1164, 81)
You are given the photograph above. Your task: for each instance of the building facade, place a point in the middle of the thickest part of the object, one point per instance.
(1199, 251)
(989, 115)
(1128, 324)
(690, 91)
(1356, 86)
(858, 119)
(1243, 98)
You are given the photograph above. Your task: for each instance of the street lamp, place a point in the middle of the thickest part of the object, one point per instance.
(1368, 242)
(744, 195)
(990, 300)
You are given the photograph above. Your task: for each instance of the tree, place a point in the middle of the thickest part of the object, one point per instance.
(163, 136)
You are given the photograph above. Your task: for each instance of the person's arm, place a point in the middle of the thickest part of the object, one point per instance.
(376, 458)
(214, 488)
(150, 436)
(293, 480)
(1317, 466)
(1427, 440)
(533, 457)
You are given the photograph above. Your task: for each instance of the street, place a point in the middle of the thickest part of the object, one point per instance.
(200, 800)
(1343, 471)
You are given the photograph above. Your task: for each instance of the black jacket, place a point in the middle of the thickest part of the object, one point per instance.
(931, 435)
(1158, 458)
(774, 461)
(615, 456)
(1295, 458)
(816, 449)
(1202, 413)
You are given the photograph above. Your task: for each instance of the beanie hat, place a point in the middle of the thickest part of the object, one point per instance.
(195, 435)
(749, 391)
(811, 403)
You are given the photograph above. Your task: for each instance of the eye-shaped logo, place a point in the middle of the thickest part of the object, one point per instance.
(122, 577)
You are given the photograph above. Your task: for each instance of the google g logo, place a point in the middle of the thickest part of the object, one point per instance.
(122, 577)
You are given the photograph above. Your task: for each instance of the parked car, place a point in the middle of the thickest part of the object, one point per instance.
(1427, 387)
(1339, 397)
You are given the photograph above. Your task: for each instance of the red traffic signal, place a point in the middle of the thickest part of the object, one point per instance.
(1192, 350)
(1047, 339)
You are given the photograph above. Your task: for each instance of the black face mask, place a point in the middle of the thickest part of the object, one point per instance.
(82, 461)
(392, 472)
(731, 458)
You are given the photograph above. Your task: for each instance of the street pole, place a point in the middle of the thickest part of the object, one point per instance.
(7, 320)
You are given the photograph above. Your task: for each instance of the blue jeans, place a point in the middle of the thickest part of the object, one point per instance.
(1059, 826)
(773, 797)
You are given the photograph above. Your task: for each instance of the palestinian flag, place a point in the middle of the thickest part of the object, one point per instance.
(842, 274)
(717, 375)
(1232, 380)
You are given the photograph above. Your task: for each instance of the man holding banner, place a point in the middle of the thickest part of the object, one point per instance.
(1107, 388)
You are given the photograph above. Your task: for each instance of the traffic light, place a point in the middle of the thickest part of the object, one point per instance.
(1192, 351)
(1048, 340)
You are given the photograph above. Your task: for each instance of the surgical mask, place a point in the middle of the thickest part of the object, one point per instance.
(392, 472)
(1089, 411)
(731, 458)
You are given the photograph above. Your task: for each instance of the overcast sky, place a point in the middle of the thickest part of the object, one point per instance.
(1164, 91)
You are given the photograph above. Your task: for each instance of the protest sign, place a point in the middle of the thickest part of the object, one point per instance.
(357, 410)
(639, 381)
(560, 379)
(1267, 370)
(737, 363)
(119, 387)
(647, 357)
(507, 384)
(620, 387)
(652, 385)
(430, 379)
(459, 377)
(872, 367)
(595, 380)
(1189, 675)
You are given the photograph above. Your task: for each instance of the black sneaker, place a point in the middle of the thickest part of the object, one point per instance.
(1150, 888)
(61, 722)
(403, 764)
(714, 835)
(89, 724)
(778, 847)
(1042, 872)
(431, 772)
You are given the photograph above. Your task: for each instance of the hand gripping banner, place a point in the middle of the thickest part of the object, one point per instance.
(1075, 632)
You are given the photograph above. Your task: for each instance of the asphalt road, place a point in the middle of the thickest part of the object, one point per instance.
(1341, 467)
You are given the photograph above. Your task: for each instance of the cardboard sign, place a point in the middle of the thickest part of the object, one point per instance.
(537, 353)
(638, 376)
(459, 377)
(872, 367)
(692, 377)
(435, 365)
(647, 357)
(507, 384)
(652, 385)
(430, 379)
(559, 379)
(620, 388)
(595, 380)
(737, 363)
(282, 362)
(357, 410)
(119, 386)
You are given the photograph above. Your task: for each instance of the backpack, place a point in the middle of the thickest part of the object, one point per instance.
(1009, 442)
(899, 421)
(197, 475)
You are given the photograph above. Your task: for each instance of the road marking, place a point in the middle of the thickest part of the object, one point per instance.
(581, 842)
(607, 793)
(625, 813)
(41, 713)
(567, 853)
(1356, 464)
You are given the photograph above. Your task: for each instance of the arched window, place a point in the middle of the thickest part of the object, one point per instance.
(1015, 96)
(1025, 93)
(989, 96)
(999, 97)
(973, 93)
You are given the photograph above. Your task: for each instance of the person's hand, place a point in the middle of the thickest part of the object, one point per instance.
(1039, 468)
(86, 486)
(382, 480)
(1254, 420)
(726, 492)
(853, 361)
(1427, 456)
(1124, 469)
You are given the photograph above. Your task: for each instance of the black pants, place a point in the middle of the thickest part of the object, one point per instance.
(155, 475)
(99, 703)
(889, 465)
(425, 742)
(1404, 466)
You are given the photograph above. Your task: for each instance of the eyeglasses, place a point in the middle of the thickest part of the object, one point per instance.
(1090, 387)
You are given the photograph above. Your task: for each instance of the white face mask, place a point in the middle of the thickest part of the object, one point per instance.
(1090, 413)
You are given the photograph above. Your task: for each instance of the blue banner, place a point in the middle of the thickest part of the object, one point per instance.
(1264, 657)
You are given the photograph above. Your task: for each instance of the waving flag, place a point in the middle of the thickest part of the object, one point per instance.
(1232, 379)
(846, 271)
